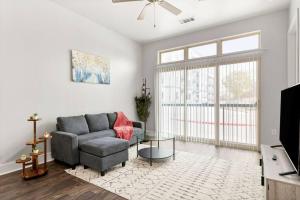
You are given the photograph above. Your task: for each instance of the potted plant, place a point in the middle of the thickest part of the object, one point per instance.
(143, 104)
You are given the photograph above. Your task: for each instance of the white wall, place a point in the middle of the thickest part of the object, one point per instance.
(273, 68)
(293, 9)
(36, 37)
(292, 43)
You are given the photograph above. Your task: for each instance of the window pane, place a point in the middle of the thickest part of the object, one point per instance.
(172, 56)
(240, 44)
(203, 51)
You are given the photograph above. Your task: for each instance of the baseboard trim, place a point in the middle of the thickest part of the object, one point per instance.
(13, 166)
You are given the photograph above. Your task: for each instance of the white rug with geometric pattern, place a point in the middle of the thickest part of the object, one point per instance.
(188, 177)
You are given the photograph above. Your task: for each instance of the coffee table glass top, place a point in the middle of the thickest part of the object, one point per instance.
(157, 138)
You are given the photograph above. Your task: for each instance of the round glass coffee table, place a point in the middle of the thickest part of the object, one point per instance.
(156, 152)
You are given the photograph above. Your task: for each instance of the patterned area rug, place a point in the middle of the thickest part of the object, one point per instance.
(188, 177)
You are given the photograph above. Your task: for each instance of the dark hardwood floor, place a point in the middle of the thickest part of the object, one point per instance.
(59, 185)
(55, 185)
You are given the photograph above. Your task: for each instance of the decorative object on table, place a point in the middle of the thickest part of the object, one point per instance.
(23, 157)
(35, 116)
(90, 68)
(35, 151)
(36, 169)
(46, 134)
(143, 103)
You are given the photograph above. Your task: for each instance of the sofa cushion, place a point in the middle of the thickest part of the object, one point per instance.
(74, 124)
(100, 134)
(97, 122)
(104, 146)
(112, 117)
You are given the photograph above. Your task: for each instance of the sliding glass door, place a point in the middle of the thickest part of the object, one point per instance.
(200, 107)
(171, 103)
(238, 103)
(215, 104)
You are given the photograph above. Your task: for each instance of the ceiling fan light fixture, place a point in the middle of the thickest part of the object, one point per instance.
(162, 3)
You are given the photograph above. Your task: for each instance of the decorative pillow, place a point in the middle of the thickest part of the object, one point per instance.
(112, 117)
(74, 124)
(97, 122)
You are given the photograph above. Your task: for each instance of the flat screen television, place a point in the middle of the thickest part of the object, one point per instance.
(289, 124)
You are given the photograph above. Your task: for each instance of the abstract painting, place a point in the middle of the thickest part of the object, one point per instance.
(88, 68)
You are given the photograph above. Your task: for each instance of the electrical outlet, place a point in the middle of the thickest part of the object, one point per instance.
(274, 131)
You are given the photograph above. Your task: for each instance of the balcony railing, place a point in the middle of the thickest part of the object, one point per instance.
(237, 122)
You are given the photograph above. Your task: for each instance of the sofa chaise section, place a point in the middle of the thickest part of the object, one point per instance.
(102, 153)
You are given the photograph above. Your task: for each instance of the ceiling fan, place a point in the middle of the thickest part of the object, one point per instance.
(164, 4)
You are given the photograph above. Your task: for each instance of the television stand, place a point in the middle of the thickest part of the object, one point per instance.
(275, 146)
(279, 187)
(287, 173)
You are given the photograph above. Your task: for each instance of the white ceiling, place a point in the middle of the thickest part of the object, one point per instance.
(122, 17)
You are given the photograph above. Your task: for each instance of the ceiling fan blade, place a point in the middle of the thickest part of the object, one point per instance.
(170, 7)
(121, 1)
(142, 14)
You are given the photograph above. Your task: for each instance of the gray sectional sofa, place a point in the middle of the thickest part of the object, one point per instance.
(76, 134)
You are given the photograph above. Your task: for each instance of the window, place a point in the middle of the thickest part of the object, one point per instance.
(214, 100)
(172, 56)
(219, 47)
(240, 44)
(203, 51)
(192, 107)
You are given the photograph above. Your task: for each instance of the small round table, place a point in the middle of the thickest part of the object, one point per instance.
(155, 152)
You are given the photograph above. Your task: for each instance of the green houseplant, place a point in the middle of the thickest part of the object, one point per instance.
(143, 104)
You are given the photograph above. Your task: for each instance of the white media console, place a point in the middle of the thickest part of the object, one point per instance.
(278, 187)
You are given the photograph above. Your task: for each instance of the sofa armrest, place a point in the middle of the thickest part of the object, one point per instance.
(64, 147)
(138, 124)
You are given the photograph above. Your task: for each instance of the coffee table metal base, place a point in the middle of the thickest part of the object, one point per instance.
(153, 152)
(156, 153)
